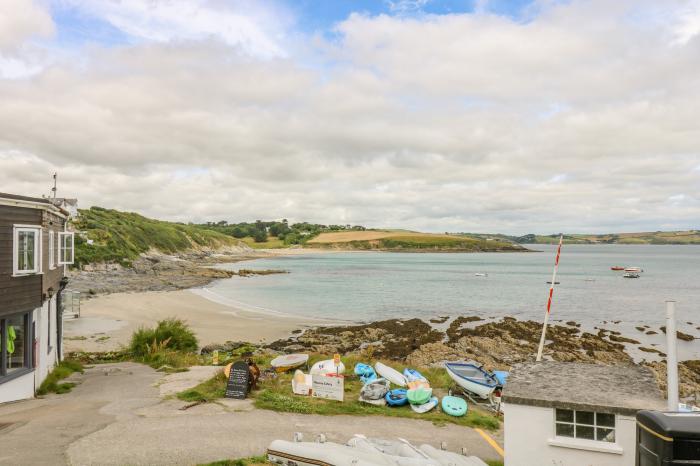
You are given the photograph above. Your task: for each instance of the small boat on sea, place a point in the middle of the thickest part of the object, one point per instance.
(549, 282)
(287, 362)
(617, 268)
(631, 275)
(472, 378)
(481, 274)
(633, 269)
(390, 374)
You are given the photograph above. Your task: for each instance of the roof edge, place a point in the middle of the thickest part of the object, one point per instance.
(538, 403)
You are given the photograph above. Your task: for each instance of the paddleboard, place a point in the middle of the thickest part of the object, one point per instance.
(327, 367)
(390, 374)
(454, 406)
(425, 407)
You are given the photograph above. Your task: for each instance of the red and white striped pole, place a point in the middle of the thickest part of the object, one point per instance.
(549, 301)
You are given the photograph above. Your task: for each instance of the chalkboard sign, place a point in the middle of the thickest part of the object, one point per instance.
(237, 386)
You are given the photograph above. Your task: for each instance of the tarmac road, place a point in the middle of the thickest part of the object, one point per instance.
(118, 415)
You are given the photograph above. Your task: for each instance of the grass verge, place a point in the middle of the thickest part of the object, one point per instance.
(252, 461)
(276, 395)
(63, 370)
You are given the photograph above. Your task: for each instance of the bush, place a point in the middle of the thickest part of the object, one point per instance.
(170, 334)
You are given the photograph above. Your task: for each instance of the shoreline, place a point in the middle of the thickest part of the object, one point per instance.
(107, 322)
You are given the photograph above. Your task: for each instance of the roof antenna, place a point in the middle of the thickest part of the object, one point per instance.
(53, 190)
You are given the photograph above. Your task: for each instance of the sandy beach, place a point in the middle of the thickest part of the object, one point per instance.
(107, 322)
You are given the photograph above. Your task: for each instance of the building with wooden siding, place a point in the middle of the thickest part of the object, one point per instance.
(35, 249)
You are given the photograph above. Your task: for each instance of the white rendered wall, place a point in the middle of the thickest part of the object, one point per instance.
(46, 360)
(529, 434)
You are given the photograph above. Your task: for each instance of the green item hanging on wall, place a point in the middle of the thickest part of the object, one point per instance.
(11, 336)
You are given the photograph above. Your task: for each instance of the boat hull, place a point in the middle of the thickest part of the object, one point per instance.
(482, 391)
(390, 374)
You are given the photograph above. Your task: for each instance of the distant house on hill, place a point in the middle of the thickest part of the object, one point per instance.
(558, 413)
(35, 249)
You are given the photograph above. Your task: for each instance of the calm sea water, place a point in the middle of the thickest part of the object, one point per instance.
(372, 286)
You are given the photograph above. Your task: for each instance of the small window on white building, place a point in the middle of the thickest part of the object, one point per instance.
(587, 425)
(66, 246)
(26, 250)
(52, 256)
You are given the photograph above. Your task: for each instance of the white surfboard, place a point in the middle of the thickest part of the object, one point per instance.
(392, 375)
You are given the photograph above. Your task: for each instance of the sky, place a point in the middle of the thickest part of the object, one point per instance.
(523, 116)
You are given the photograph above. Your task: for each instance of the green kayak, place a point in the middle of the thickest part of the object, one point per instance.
(419, 396)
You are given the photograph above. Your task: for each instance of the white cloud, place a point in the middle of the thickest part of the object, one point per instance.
(256, 27)
(21, 20)
(580, 119)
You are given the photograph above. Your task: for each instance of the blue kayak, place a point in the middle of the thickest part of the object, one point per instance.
(397, 397)
(365, 372)
(413, 375)
(454, 406)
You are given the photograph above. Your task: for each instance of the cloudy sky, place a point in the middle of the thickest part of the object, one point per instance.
(440, 115)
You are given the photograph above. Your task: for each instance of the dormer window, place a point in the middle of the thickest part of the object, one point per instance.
(27, 250)
(66, 243)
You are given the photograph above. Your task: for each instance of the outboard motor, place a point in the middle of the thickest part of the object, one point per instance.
(668, 438)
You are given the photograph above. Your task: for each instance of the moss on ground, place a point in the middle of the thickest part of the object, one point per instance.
(252, 461)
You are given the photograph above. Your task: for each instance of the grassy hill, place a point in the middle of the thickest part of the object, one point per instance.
(401, 240)
(122, 236)
(657, 237)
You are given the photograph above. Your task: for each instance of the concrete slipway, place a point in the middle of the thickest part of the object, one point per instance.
(121, 414)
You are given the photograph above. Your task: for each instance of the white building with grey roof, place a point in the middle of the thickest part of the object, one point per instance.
(575, 414)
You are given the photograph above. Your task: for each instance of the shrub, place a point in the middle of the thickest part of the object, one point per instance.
(170, 334)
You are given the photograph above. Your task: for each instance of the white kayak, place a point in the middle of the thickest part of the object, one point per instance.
(392, 375)
(425, 407)
(327, 367)
(288, 362)
(447, 458)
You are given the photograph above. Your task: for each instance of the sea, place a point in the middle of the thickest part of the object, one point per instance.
(368, 286)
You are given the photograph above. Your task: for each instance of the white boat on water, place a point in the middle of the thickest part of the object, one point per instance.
(633, 269)
(481, 274)
(631, 275)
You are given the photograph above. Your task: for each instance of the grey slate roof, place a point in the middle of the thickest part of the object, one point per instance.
(592, 387)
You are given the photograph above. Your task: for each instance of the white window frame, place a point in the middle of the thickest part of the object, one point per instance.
(595, 426)
(52, 251)
(38, 266)
(61, 259)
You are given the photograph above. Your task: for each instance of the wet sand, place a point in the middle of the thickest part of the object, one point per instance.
(107, 322)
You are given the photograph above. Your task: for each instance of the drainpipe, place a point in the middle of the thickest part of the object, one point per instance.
(59, 318)
(671, 356)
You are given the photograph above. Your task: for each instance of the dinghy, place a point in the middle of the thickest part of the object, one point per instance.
(447, 458)
(425, 407)
(374, 392)
(473, 378)
(396, 397)
(365, 372)
(454, 406)
(390, 374)
(287, 362)
(419, 396)
(327, 367)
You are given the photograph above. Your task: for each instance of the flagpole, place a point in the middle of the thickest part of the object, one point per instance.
(549, 301)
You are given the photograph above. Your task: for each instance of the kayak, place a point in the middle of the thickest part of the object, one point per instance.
(419, 396)
(413, 375)
(327, 367)
(454, 406)
(288, 362)
(396, 397)
(390, 374)
(374, 392)
(365, 372)
(425, 407)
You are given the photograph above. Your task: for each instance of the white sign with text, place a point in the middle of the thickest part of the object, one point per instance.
(328, 387)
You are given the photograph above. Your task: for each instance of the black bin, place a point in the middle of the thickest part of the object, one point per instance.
(668, 439)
